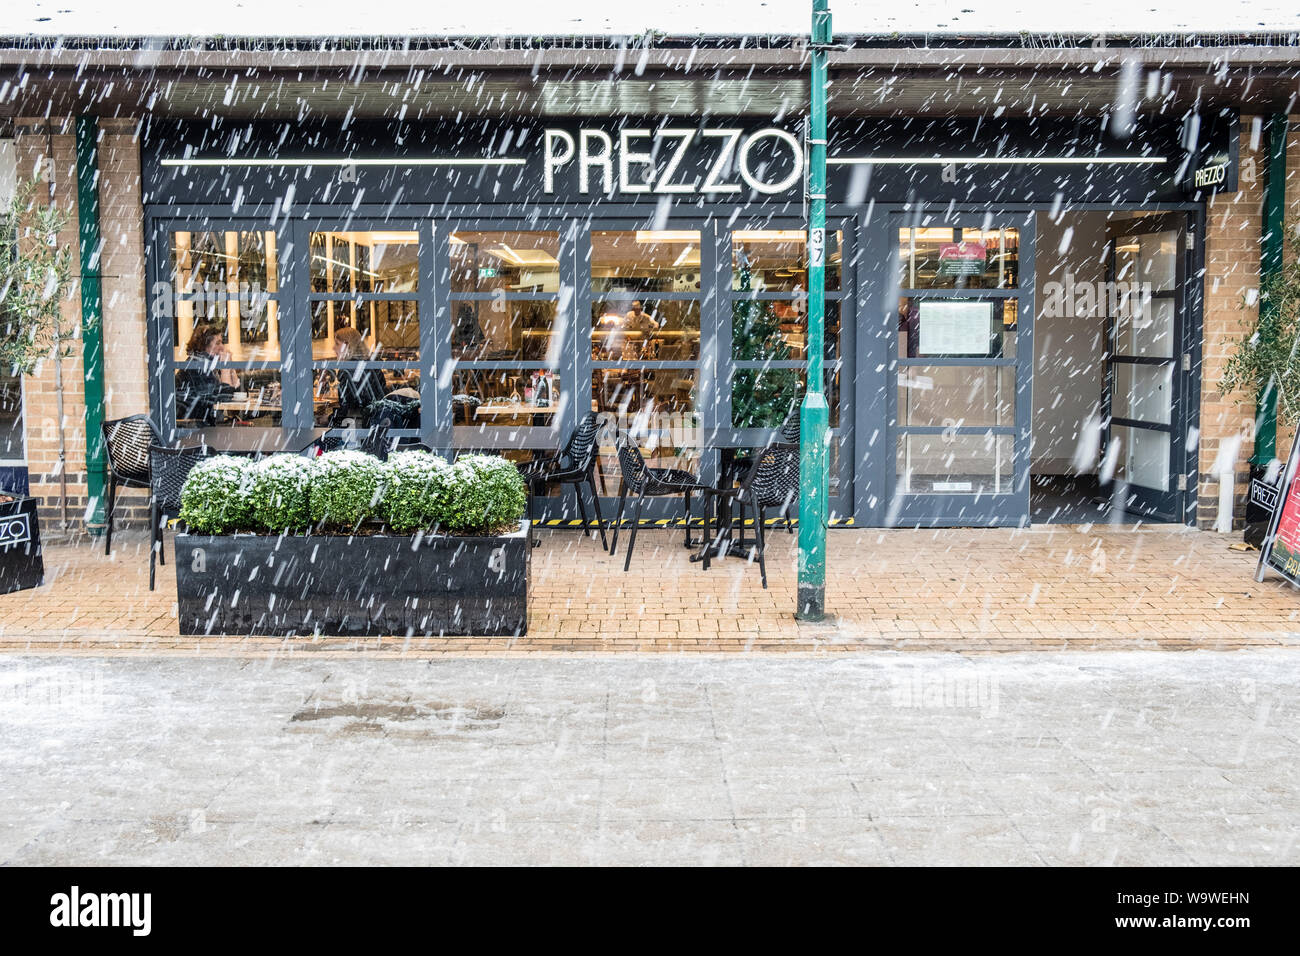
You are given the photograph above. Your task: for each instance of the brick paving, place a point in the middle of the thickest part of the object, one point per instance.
(967, 590)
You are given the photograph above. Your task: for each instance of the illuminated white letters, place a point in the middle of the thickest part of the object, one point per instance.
(769, 161)
(553, 160)
(722, 162)
(666, 184)
(771, 188)
(627, 158)
(587, 159)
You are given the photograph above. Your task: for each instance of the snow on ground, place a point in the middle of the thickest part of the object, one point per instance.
(1071, 758)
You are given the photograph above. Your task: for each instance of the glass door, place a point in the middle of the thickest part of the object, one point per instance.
(1144, 326)
(959, 376)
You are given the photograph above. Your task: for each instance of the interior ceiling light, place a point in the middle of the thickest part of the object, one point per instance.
(652, 236)
(995, 160)
(769, 235)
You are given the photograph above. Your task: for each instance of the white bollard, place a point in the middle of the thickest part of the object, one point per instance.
(1227, 489)
(1225, 468)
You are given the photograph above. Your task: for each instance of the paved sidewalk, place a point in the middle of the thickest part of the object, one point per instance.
(1072, 758)
(970, 590)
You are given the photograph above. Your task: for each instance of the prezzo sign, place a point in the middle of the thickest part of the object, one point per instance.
(1213, 174)
(706, 161)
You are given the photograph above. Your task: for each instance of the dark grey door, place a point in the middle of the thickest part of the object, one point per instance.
(1143, 417)
(959, 370)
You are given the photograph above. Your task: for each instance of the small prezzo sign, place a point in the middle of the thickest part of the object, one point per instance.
(1263, 494)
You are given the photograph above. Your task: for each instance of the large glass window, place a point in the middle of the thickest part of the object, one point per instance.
(365, 328)
(647, 296)
(225, 309)
(958, 258)
(508, 315)
(768, 302)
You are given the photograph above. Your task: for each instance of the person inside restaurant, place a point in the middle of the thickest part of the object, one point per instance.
(358, 388)
(198, 390)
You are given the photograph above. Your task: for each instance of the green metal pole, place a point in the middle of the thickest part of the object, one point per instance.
(1270, 267)
(814, 415)
(92, 334)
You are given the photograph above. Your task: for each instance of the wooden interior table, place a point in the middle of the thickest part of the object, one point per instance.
(514, 410)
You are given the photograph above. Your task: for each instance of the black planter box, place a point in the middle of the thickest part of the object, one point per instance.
(21, 565)
(362, 585)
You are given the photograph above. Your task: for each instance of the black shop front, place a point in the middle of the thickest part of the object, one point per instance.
(494, 279)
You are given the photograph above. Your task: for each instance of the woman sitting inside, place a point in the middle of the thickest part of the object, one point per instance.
(359, 388)
(199, 389)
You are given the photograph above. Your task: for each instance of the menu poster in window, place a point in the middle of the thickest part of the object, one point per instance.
(962, 259)
(956, 328)
(1281, 550)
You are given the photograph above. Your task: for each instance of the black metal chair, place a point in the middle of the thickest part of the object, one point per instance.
(376, 442)
(574, 465)
(646, 482)
(772, 482)
(126, 457)
(168, 469)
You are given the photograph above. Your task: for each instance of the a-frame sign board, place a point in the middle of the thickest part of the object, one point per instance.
(1281, 549)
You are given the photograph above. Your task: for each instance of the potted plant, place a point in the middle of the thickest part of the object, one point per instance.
(35, 274)
(345, 544)
(1264, 367)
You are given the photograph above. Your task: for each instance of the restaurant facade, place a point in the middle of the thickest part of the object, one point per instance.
(1027, 309)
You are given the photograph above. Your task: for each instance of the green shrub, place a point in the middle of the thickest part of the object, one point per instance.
(217, 497)
(415, 491)
(485, 494)
(280, 492)
(345, 489)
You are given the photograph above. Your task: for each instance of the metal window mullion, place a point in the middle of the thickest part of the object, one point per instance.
(161, 335)
(717, 369)
(293, 273)
(437, 382)
(575, 346)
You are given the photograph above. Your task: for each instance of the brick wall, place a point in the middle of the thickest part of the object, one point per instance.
(1234, 223)
(49, 145)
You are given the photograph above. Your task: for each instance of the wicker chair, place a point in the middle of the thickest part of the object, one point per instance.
(646, 482)
(168, 468)
(575, 465)
(126, 448)
(772, 482)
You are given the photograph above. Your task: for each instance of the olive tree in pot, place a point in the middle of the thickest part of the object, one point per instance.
(345, 544)
(35, 276)
(1264, 367)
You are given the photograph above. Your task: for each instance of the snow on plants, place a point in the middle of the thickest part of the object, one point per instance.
(217, 496)
(345, 488)
(416, 491)
(279, 491)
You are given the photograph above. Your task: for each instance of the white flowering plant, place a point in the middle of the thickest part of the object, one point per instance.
(416, 491)
(217, 496)
(345, 489)
(280, 493)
